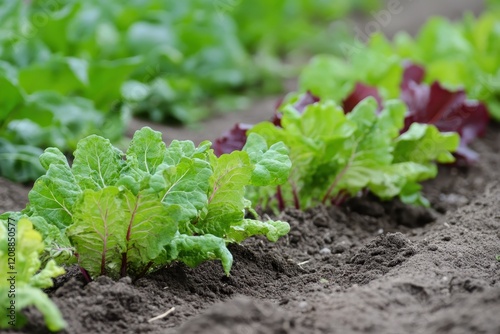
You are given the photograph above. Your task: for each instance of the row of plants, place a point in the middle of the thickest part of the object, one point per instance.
(449, 75)
(419, 73)
(72, 68)
(128, 213)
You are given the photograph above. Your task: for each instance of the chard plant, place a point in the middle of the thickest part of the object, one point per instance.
(125, 214)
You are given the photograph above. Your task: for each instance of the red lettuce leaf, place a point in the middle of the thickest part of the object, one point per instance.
(361, 92)
(232, 140)
(447, 110)
(412, 73)
(304, 100)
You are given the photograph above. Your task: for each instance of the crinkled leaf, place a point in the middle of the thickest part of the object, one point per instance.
(99, 231)
(97, 163)
(54, 194)
(148, 148)
(149, 227)
(193, 250)
(57, 244)
(232, 173)
(424, 143)
(184, 149)
(272, 164)
(185, 185)
(272, 230)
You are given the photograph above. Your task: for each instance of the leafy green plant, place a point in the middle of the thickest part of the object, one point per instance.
(21, 279)
(123, 214)
(336, 155)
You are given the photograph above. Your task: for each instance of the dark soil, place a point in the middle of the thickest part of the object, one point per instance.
(367, 267)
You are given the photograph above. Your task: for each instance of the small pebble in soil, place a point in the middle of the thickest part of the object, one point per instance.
(340, 248)
(454, 199)
(284, 301)
(303, 305)
(127, 280)
(328, 239)
(325, 251)
(446, 238)
(99, 299)
(433, 248)
(320, 221)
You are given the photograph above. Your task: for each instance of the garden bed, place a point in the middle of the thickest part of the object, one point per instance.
(365, 267)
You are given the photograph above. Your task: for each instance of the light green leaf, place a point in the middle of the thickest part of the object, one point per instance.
(424, 143)
(57, 244)
(54, 195)
(29, 296)
(272, 165)
(327, 77)
(185, 149)
(149, 227)
(232, 173)
(28, 246)
(43, 279)
(148, 148)
(97, 163)
(186, 185)
(193, 250)
(272, 230)
(99, 231)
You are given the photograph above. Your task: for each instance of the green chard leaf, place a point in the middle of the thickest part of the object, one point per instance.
(148, 148)
(226, 204)
(97, 163)
(193, 250)
(54, 194)
(112, 229)
(186, 185)
(271, 164)
(273, 230)
(99, 231)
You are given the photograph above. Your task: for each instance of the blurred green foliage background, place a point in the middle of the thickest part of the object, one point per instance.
(72, 68)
